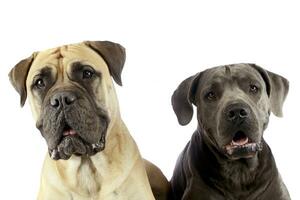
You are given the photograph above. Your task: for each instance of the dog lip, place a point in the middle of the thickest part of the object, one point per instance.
(231, 146)
(247, 150)
(93, 149)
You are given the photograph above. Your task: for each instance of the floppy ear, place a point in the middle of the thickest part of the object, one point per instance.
(183, 97)
(18, 76)
(277, 89)
(113, 54)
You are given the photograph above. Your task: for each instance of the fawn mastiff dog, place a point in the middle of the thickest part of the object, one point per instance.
(227, 157)
(73, 100)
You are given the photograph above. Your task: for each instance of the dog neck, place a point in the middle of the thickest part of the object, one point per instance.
(218, 171)
(88, 176)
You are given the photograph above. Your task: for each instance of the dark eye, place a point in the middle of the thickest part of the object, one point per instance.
(87, 74)
(210, 96)
(253, 89)
(39, 83)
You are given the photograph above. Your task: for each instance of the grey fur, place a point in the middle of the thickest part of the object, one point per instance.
(233, 107)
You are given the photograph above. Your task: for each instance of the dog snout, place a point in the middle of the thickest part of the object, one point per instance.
(63, 99)
(237, 112)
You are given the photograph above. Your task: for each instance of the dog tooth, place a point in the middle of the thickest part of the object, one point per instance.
(101, 145)
(96, 145)
(53, 153)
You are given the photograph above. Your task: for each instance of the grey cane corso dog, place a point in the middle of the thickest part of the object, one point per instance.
(227, 157)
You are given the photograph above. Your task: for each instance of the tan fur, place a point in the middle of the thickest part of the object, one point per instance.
(159, 183)
(118, 171)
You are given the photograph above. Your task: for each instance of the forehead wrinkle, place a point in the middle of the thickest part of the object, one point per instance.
(247, 74)
(60, 55)
(227, 71)
(241, 72)
(45, 70)
(81, 53)
(57, 53)
(221, 76)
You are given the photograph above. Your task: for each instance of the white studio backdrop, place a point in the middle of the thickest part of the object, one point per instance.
(166, 41)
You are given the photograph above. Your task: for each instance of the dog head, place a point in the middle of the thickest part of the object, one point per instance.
(233, 106)
(71, 94)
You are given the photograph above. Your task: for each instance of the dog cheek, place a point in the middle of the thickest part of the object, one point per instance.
(223, 130)
(264, 112)
(103, 125)
(51, 127)
(261, 119)
(84, 120)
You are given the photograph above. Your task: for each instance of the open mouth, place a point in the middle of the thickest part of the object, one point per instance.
(241, 146)
(239, 139)
(72, 143)
(68, 131)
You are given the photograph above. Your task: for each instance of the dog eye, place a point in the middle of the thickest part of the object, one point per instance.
(87, 74)
(253, 89)
(39, 83)
(210, 96)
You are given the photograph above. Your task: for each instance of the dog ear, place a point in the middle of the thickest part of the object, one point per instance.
(183, 98)
(18, 76)
(277, 89)
(113, 54)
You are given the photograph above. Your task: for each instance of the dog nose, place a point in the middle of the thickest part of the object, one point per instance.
(64, 98)
(237, 111)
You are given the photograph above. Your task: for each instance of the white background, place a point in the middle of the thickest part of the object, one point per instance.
(166, 42)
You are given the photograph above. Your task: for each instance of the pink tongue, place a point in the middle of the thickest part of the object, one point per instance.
(69, 132)
(241, 141)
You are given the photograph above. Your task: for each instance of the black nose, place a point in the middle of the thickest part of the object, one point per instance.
(237, 111)
(63, 98)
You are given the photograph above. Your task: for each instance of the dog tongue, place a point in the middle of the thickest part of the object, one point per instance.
(240, 141)
(69, 132)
